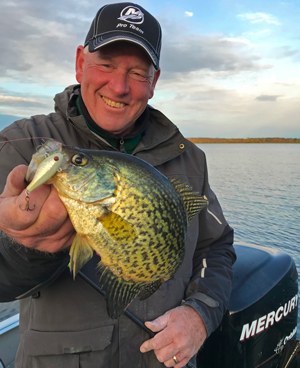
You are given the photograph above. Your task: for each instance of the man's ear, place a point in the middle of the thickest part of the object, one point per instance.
(155, 79)
(80, 59)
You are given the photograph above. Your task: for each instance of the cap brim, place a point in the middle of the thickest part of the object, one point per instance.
(97, 42)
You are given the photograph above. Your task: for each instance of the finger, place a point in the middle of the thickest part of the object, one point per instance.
(159, 323)
(53, 228)
(53, 211)
(58, 241)
(13, 218)
(166, 353)
(158, 342)
(182, 362)
(17, 216)
(15, 182)
(46, 236)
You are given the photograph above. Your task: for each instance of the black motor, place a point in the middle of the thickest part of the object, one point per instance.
(261, 322)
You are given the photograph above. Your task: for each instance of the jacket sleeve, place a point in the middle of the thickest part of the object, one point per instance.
(210, 287)
(23, 270)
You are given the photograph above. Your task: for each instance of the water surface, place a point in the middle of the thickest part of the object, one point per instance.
(258, 186)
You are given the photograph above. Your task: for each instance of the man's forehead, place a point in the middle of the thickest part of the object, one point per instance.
(120, 48)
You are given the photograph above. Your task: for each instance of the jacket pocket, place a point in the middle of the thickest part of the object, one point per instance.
(65, 349)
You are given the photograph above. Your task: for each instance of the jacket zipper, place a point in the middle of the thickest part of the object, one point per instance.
(122, 148)
(85, 137)
(74, 126)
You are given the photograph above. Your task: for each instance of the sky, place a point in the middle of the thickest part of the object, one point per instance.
(229, 68)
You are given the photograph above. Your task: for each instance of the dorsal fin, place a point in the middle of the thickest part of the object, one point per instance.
(192, 201)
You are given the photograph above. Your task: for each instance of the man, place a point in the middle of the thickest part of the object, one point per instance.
(64, 322)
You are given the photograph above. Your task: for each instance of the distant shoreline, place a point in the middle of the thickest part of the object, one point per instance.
(244, 140)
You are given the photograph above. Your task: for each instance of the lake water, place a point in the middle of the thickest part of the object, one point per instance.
(258, 186)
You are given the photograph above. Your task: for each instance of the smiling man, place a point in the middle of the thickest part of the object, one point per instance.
(116, 83)
(65, 322)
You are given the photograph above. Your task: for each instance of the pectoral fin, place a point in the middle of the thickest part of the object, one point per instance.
(117, 227)
(80, 253)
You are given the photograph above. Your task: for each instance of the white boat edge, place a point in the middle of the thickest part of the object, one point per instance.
(9, 323)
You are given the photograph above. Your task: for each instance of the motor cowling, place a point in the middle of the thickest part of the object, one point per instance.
(262, 313)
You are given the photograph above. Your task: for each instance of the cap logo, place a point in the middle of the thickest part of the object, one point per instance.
(132, 14)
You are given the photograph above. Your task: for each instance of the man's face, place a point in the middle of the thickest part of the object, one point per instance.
(116, 83)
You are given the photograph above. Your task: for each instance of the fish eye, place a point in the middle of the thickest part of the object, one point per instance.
(79, 159)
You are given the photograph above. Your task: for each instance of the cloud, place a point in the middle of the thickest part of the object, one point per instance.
(40, 42)
(19, 104)
(240, 41)
(201, 109)
(188, 14)
(271, 98)
(12, 100)
(284, 52)
(260, 34)
(207, 52)
(243, 41)
(211, 84)
(259, 18)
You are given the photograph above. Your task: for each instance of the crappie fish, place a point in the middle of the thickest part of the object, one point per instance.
(123, 208)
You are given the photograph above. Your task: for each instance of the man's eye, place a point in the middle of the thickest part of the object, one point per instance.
(105, 67)
(139, 77)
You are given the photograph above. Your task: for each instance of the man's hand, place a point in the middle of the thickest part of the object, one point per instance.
(182, 333)
(47, 227)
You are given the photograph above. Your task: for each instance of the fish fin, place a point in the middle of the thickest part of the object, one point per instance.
(80, 253)
(150, 289)
(193, 202)
(117, 227)
(119, 293)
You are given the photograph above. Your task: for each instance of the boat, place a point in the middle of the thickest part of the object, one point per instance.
(259, 329)
(9, 341)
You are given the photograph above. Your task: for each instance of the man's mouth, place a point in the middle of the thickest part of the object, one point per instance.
(113, 103)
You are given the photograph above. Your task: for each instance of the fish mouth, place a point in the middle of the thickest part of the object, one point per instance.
(111, 103)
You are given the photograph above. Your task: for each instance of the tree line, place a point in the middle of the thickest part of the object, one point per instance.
(245, 140)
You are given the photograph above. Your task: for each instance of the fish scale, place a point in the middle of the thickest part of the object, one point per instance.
(127, 211)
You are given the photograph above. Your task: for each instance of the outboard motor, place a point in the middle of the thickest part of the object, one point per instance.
(261, 324)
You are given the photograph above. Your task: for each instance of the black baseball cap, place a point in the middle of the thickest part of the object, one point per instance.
(125, 22)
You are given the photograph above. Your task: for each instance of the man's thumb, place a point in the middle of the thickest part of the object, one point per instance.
(159, 323)
(15, 182)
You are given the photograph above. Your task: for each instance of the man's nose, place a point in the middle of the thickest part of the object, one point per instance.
(119, 83)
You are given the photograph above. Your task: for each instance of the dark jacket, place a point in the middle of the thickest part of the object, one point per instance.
(64, 322)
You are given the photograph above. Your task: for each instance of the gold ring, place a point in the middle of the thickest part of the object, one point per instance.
(175, 359)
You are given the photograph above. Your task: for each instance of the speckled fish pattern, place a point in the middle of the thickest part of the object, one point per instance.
(130, 214)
